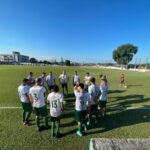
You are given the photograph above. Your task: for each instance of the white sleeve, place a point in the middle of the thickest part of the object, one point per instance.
(48, 98)
(44, 89)
(89, 90)
(75, 92)
(47, 78)
(30, 91)
(61, 98)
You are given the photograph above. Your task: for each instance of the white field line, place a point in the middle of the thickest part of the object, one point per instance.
(10, 107)
(109, 108)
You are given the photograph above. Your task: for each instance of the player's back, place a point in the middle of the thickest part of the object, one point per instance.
(104, 90)
(22, 90)
(37, 93)
(55, 100)
(81, 100)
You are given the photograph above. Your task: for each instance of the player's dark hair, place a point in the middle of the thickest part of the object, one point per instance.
(88, 73)
(92, 80)
(44, 73)
(55, 88)
(81, 85)
(31, 73)
(38, 80)
(101, 76)
(105, 80)
(25, 80)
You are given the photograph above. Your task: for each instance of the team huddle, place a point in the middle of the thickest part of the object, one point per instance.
(36, 94)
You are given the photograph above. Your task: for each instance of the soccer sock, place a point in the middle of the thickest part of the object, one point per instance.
(57, 126)
(38, 121)
(67, 90)
(96, 116)
(84, 126)
(46, 122)
(80, 127)
(90, 118)
(28, 116)
(24, 116)
(63, 91)
(52, 128)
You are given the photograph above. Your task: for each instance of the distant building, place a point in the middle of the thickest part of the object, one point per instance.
(13, 58)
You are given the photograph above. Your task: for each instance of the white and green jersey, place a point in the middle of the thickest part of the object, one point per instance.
(94, 91)
(55, 100)
(43, 81)
(63, 78)
(22, 91)
(104, 90)
(50, 80)
(87, 80)
(82, 100)
(37, 93)
(31, 80)
(76, 79)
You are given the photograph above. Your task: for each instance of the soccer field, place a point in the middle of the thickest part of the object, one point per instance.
(121, 121)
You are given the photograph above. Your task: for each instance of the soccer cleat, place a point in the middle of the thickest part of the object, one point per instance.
(24, 123)
(79, 133)
(28, 123)
(52, 135)
(56, 136)
(88, 123)
(85, 128)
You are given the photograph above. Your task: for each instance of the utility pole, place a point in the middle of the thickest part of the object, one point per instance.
(135, 63)
(139, 62)
(146, 63)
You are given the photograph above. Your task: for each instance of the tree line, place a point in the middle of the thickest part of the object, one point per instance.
(46, 62)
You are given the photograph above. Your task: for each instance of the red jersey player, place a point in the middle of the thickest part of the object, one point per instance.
(122, 80)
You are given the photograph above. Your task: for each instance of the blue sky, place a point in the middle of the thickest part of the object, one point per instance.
(80, 30)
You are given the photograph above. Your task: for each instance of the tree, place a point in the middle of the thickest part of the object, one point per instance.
(33, 60)
(67, 62)
(124, 54)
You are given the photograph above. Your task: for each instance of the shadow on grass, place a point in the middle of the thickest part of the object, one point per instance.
(134, 85)
(126, 101)
(122, 119)
(116, 91)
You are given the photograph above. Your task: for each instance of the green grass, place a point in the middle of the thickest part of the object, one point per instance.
(118, 124)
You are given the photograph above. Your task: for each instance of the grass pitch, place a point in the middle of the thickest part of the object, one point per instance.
(120, 123)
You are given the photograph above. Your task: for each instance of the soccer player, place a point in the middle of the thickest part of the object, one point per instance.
(103, 97)
(43, 79)
(50, 79)
(94, 92)
(81, 106)
(31, 79)
(63, 80)
(87, 80)
(122, 80)
(76, 78)
(23, 91)
(37, 98)
(56, 109)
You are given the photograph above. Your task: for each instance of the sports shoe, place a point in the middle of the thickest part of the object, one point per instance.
(85, 128)
(52, 135)
(24, 123)
(28, 123)
(79, 133)
(88, 123)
